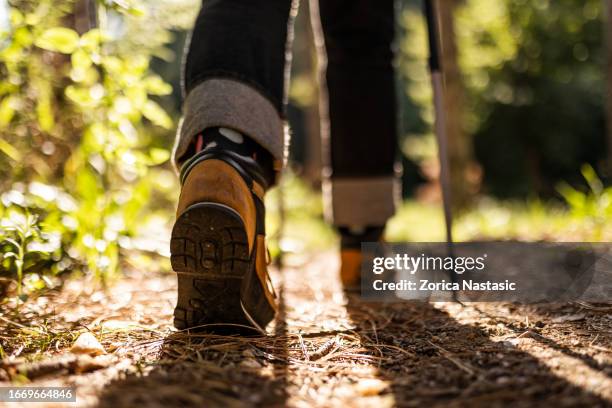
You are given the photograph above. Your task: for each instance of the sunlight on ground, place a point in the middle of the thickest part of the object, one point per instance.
(304, 228)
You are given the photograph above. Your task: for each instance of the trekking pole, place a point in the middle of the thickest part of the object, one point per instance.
(437, 83)
(281, 221)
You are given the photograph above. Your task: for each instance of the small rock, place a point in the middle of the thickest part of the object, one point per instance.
(512, 342)
(87, 344)
(503, 380)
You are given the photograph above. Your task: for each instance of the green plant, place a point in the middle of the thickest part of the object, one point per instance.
(594, 205)
(24, 231)
(21, 232)
(78, 114)
(38, 217)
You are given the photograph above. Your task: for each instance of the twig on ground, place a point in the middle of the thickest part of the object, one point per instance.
(328, 347)
(303, 346)
(589, 306)
(448, 355)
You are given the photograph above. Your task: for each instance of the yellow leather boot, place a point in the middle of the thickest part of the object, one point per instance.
(350, 254)
(218, 246)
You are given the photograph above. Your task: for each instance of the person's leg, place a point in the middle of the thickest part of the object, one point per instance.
(231, 134)
(360, 106)
(358, 109)
(235, 72)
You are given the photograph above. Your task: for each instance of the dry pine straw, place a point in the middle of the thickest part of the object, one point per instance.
(325, 349)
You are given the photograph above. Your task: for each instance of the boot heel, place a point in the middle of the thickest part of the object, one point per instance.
(210, 254)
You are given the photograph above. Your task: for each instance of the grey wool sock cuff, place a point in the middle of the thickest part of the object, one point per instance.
(361, 201)
(221, 102)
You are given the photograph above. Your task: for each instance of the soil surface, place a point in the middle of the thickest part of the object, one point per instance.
(325, 349)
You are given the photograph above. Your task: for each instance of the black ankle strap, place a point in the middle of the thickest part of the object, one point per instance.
(248, 170)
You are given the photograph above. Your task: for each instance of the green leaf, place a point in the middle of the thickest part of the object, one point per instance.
(574, 198)
(87, 185)
(137, 96)
(156, 86)
(78, 95)
(91, 40)
(16, 17)
(23, 37)
(9, 150)
(590, 176)
(136, 11)
(156, 114)
(158, 156)
(13, 242)
(44, 112)
(80, 59)
(58, 39)
(7, 110)
(45, 115)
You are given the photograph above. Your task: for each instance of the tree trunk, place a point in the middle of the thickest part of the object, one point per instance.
(459, 141)
(84, 16)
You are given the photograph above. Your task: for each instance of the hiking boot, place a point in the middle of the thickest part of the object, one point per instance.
(218, 245)
(350, 254)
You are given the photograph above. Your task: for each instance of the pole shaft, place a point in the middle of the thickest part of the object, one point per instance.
(441, 138)
(432, 33)
(437, 83)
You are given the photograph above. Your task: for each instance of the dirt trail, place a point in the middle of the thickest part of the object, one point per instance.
(325, 349)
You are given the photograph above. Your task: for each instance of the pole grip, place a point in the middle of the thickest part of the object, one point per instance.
(432, 33)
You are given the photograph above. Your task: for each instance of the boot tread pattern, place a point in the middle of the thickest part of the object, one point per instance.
(210, 254)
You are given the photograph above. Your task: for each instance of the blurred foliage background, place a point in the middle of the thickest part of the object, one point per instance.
(90, 96)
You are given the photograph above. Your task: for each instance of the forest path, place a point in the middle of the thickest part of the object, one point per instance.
(324, 349)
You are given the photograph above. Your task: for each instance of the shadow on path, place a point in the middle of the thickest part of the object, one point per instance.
(455, 364)
(603, 367)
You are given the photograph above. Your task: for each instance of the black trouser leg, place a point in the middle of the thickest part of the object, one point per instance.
(360, 105)
(243, 40)
(235, 71)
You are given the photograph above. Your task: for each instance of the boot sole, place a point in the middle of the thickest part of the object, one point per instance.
(210, 254)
